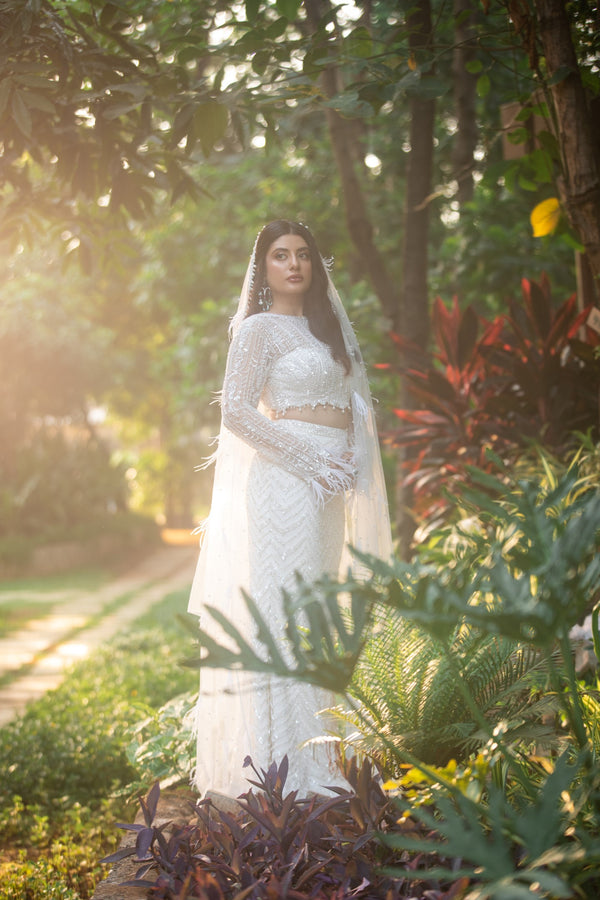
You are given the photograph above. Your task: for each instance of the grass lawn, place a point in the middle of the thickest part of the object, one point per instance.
(23, 599)
(86, 579)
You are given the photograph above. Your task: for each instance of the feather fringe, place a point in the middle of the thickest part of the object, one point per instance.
(337, 480)
(208, 461)
(360, 410)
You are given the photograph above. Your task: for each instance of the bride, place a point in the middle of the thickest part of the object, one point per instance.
(298, 478)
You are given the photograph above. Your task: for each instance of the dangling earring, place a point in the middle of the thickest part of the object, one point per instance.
(265, 298)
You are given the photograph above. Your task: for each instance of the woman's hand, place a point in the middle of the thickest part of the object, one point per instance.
(342, 474)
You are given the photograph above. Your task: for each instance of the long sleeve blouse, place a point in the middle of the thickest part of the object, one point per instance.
(275, 362)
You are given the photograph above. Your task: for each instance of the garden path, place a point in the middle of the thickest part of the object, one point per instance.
(39, 653)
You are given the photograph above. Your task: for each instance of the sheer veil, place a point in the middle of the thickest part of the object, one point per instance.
(223, 563)
(223, 713)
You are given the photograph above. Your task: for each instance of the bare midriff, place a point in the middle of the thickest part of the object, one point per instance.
(318, 415)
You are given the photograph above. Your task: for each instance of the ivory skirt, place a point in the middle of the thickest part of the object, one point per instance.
(290, 533)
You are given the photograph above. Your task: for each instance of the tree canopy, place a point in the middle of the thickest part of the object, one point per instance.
(150, 140)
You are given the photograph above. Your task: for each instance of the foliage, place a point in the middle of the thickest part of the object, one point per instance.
(57, 484)
(522, 569)
(146, 88)
(85, 90)
(161, 745)
(493, 385)
(61, 867)
(326, 655)
(65, 759)
(525, 567)
(407, 698)
(278, 845)
(125, 531)
(542, 845)
(487, 250)
(115, 100)
(69, 747)
(55, 467)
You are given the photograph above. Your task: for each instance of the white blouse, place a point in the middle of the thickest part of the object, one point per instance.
(275, 361)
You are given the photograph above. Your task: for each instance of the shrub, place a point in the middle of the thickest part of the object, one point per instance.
(493, 385)
(280, 845)
(66, 758)
(522, 569)
(56, 482)
(70, 746)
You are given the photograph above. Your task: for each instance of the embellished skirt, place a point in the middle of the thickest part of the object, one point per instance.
(290, 534)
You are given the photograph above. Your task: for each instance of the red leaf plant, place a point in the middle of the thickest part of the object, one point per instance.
(529, 375)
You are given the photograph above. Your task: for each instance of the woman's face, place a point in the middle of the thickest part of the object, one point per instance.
(288, 267)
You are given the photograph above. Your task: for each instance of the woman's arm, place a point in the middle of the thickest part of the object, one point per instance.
(248, 366)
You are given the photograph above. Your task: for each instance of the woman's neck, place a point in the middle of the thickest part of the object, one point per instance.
(287, 306)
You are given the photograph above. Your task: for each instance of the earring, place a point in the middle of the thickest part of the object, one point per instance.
(265, 298)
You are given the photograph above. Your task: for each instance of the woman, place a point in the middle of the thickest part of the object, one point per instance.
(298, 478)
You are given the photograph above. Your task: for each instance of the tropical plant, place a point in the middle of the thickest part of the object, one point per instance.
(279, 845)
(494, 385)
(407, 698)
(540, 845)
(522, 569)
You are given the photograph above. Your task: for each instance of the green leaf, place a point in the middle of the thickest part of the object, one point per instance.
(6, 85)
(527, 184)
(211, 120)
(252, 7)
(474, 66)
(39, 101)
(518, 136)
(483, 85)
(21, 113)
(288, 8)
(108, 14)
(260, 61)
(359, 43)
(276, 28)
(543, 165)
(35, 81)
(349, 103)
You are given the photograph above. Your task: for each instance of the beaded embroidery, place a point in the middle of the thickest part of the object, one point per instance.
(276, 361)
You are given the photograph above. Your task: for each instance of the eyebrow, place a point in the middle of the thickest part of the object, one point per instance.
(287, 249)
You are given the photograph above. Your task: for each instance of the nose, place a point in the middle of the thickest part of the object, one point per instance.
(294, 261)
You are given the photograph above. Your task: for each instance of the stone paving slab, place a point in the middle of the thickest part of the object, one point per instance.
(48, 646)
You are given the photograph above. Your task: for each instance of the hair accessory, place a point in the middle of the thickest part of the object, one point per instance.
(252, 267)
(265, 298)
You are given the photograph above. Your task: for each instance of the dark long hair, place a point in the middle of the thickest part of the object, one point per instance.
(322, 320)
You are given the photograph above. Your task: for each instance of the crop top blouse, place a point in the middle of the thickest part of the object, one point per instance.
(276, 361)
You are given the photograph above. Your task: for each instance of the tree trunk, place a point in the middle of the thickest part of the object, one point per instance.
(580, 156)
(343, 142)
(414, 314)
(464, 84)
(414, 321)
